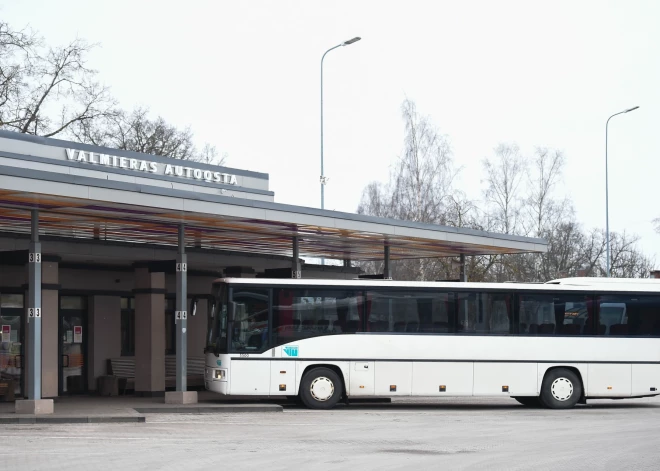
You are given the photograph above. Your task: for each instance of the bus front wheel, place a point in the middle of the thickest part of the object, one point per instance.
(321, 388)
(561, 389)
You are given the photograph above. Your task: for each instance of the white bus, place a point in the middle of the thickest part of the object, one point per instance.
(554, 344)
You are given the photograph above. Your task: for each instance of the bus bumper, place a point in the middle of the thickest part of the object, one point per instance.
(215, 379)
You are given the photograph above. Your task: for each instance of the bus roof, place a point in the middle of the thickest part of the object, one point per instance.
(562, 284)
(586, 281)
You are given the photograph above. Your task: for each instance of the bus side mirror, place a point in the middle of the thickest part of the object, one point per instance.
(193, 306)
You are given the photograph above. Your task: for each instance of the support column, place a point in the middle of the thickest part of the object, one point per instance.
(149, 332)
(181, 395)
(296, 269)
(50, 324)
(104, 338)
(181, 314)
(386, 263)
(34, 404)
(463, 274)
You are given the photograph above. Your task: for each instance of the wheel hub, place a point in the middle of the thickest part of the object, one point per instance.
(322, 388)
(562, 389)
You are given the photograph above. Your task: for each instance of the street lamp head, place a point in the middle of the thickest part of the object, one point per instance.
(631, 109)
(351, 41)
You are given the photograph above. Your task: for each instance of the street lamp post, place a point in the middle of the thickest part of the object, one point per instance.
(607, 202)
(323, 179)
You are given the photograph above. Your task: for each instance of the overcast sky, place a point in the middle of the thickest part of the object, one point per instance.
(245, 77)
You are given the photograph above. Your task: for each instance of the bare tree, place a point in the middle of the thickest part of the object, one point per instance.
(46, 91)
(627, 261)
(209, 155)
(461, 211)
(424, 175)
(16, 56)
(136, 132)
(519, 198)
(547, 217)
(504, 175)
(420, 189)
(503, 202)
(375, 201)
(569, 251)
(543, 211)
(51, 91)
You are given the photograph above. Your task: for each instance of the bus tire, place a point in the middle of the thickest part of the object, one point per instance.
(529, 401)
(561, 389)
(321, 388)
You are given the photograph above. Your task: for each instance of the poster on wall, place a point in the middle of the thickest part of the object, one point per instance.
(77, 334)
(6, 333)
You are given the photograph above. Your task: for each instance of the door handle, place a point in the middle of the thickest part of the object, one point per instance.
(65, 365)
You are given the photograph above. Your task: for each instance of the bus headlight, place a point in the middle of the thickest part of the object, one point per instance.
(220, 375)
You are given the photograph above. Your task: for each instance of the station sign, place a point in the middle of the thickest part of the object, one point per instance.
(148, 166)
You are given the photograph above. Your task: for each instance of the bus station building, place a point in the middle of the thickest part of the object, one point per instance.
(107, 259)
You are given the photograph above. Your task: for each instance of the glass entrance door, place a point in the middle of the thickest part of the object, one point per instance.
(11, 341)
(73, 345)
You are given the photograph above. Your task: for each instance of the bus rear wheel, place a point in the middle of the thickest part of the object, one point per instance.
(529, 401)
(561, 389)
(321, 388)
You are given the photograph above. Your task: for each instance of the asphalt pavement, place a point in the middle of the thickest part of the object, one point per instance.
(446, 433)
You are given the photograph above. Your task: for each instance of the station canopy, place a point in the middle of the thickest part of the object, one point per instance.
(89, 192)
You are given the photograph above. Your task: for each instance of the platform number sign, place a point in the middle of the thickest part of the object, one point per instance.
(296, 274)
(34, 312)
(181, 267)
(34, 257)
(181, 315)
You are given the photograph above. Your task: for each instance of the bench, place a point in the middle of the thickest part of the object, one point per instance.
(7, 389)
(195, 371)
(124, 369)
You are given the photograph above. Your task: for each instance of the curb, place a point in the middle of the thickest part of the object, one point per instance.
(210, 409)
(70, 420)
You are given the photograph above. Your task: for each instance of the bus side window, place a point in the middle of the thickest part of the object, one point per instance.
(484, 313)
(629, 315)
(554, 314)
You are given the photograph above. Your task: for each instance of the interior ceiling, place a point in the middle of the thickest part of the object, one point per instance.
(82, 219)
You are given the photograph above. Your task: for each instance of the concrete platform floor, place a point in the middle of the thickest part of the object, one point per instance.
(75, 409)
(410, 433)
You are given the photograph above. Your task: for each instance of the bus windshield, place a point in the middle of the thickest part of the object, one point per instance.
(216, 339)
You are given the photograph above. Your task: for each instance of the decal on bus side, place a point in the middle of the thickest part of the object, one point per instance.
(291, 350)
